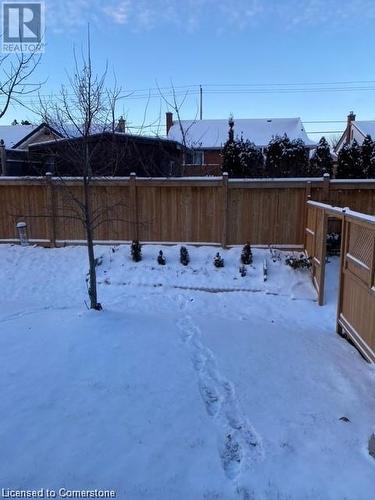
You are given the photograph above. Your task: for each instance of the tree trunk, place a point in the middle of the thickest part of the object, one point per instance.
(93, 294)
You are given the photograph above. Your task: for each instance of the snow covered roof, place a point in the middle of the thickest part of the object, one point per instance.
(366, 127)
(13, 134)
(214, 133)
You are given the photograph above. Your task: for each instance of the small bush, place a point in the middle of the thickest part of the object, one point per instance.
(247, 255)
(333, 244)
(243, 271)
(275, 255)
(300, 262)
(136, 251)
(184, 256)
(98, 261)
(161, 258)
(218, 261)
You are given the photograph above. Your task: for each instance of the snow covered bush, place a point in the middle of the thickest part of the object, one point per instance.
(241, 158)
(247, 255)
(321, 161)
(368, 157)
(333, 244)
(286, 158)
(218, 260)
(300, 262)
(161, 258)
(349, 164)
(184, 256)
(275, 255)
(243, 271)
(136, 251)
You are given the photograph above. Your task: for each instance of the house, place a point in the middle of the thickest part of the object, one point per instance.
(112, 154)
(204, 139)
(34, 150)
(355, 130)
(15, 141)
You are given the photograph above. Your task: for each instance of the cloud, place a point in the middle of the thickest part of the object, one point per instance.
(192, 15)
(118, 13)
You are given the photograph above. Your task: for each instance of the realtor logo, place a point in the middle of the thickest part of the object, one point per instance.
(23, 27)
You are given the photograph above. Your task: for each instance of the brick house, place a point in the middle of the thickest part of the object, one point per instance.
(205, 138)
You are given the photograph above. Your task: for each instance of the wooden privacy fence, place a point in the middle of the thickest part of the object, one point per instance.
(356, 301)
(193, 210)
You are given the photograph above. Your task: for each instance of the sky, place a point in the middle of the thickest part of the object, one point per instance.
(253, 58)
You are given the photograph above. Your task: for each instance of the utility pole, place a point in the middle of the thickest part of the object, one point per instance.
(200, 102)
(3, 158)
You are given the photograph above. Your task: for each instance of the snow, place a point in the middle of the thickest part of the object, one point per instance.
(214, 133)
(365, 127)
(177, 389)
(12, 134)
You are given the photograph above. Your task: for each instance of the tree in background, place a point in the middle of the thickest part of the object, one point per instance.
(241, 158)
(367, 157)
(370, 174)
(349, 164)
(321, 162)
(274, 156)
(297, 158)
(286, 158)
(16, 71)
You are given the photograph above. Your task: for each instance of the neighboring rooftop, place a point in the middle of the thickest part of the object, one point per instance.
(14, 134)
(214, 133)
(366, 127)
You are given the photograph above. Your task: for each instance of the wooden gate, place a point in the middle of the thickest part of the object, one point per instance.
(356, 300)
(356, 304)
(315, 244)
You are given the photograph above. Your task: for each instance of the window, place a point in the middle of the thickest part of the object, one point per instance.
(193, 157)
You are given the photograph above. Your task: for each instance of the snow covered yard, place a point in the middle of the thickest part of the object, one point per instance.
(173, 392)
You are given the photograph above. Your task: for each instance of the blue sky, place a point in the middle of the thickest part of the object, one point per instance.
(253, 58)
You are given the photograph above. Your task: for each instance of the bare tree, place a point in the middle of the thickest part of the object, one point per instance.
(84, 107)
(15, 73)
(334, 140)
(176, 105)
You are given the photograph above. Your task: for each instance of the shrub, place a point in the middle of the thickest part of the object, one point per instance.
(247, 255)
(218, 261)
(135, 250)
(300, 262)
(161, 258)
(243, 271)
(333, 244)
(184, 256)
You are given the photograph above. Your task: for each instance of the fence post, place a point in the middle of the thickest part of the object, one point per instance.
(326, 187)
(308, 191)
(224, 234)
(51, 211)
(134, 206)
(305, 211)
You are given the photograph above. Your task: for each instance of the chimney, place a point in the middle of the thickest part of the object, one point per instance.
(121, 125)
(351, 118)
(168, 120)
